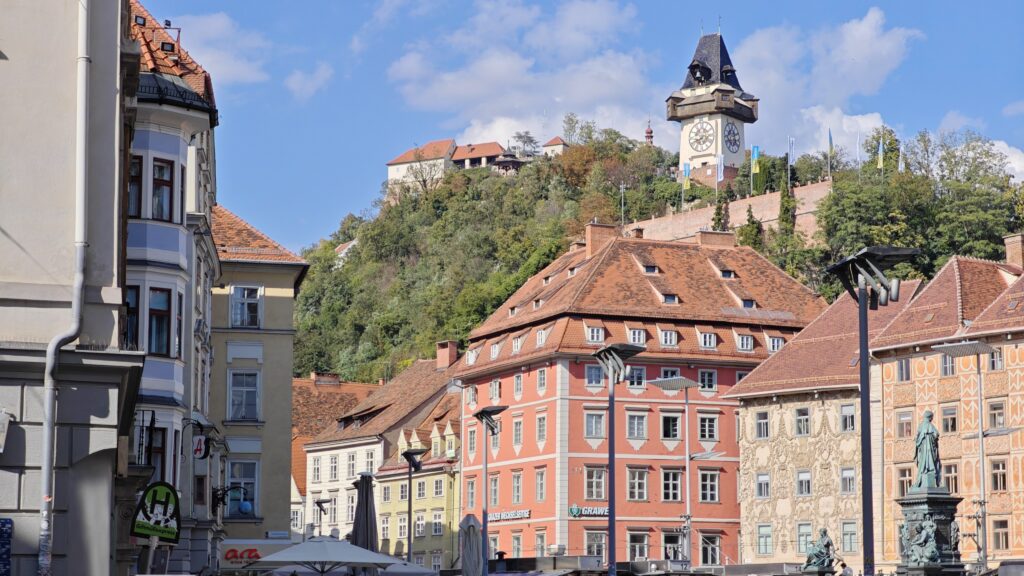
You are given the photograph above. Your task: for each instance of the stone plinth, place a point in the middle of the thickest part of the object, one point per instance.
(818, 571)
(927, 546)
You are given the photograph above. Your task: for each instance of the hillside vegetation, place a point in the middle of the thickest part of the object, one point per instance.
(436, 260)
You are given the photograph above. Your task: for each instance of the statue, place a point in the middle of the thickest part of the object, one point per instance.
(904, 541)
(954, 536)
(923, 550)
(926, 454)
(821, 554)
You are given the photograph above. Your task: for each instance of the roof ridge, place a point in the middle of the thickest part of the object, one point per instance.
(596, 260)
(260, 232)
(958, 286)
(998, 299)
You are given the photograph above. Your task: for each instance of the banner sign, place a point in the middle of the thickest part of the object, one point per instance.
(576, 511)
(157, 513)
(508, 515)
(200, 447)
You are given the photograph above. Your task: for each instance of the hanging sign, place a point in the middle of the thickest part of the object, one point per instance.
(576, 511)
(157, 513)
(200, 447)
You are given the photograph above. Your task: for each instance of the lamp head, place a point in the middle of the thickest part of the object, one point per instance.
(486, 416)
(621, 349)
(964, 348)
(868, 264)
(412, 456)
(673, 384)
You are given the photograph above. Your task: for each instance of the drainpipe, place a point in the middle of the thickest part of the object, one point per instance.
(77, 296)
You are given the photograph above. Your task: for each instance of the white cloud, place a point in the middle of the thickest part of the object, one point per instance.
(581, 26)
(1014, 108)
(954, 121)
(494, 23)
(385, 12)
(231, 54)
(303, 85)
(1014, 159)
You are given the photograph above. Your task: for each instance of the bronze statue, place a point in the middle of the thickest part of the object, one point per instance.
(954, 536)
(924, 549)
(926, 454)
(821, 554)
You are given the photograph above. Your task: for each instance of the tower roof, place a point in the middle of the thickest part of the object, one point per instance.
(711, 64)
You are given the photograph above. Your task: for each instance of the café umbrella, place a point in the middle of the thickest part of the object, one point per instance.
(364, 529)
(323, 555)
(472, 551)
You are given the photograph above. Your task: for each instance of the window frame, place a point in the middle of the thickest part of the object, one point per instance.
(637, 336)
(904, 426)
(671, 485)
(847, 422)
(804, 483)
(169, 183)
(252, 495)
(151, 314)
(632, 432)
(757, 425)
(847, 481)
(595, 483)
(669, 338)
(951, 471)
(775, 343)
(802, 422)
(708, 340)
(637, 480)
(998, 478)
(678, 425)
(541, 427)
(762, 479)
(949, 418)
(710, 485)
(235, 300)
(132, 317)
(702, 434)
(232, 372)
(948, 366)
(600, 416)
(903, 370)
(764, 545)
(706, 386)
(745, 343)
(136, 179)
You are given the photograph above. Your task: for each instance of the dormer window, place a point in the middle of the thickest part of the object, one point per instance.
(669, 338)
(670, 299)
(650, 269)
(512, 311)
(517, 344)
(495, 350)
(746, 343)
(547, 280)
(749, 303)
(728, 274)
(637, 336)
(537, 303)
(542, 336)
(140, 20)
(775, 343)
(471, 356)
(572, 272)
(595, 334)
(708, 340)
(167, 46)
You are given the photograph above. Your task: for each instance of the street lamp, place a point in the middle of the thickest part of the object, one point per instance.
(612, 359)
(320, 502)
(675, 385)
(976, 348)
(486, 416)
(412, 456)
(863, 268)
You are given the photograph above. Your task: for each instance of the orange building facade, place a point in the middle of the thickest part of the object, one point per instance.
(708, 311)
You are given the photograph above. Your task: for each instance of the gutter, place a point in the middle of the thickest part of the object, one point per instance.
(77, 297)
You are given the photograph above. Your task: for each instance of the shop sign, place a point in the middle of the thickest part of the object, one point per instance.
(241, 555)
(200, 447)
(576, 511)
(157, 513)
(508, 515)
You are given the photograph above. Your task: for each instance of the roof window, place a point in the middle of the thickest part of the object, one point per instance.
(650, 269)
(728, 274)
(572, 272)
(512, 311)
(749, 303)
(141, 21)
(167, 46)
(670, 299)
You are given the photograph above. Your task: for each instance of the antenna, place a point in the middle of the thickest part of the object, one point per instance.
(702, 27)
(719, 24)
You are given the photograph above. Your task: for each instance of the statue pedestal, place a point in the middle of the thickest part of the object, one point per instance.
(818, 571)
(929, 540)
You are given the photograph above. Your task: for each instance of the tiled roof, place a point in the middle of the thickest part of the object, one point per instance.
(239, 241)
(151, 36)
(387, 406)
(711, 52)
(1004, 313)
(342, 248)
(958, 293)
(447, 410)
(825, 354)
(556, 141)
(429, 151)
(485, 150)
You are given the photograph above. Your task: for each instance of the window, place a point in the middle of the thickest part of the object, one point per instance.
(351, 464)
(638, 542)
(996, 415)
(764, 485)
(385, 527)
(131, 304)
(949, 419)
(494, 490)
(245, 395)
(471, 493)
(159, 322)
(296, 519)
(670, 428)
(420, 527)
(496, 439)
(948, 365)
(540, 544)
(995, 359)
(163, 190)
(999, 475)
(542, 335)
(669, 338)
(595, 542)
(740, 376)
(775, 343)
(332, 508)
(494, 392)
(707, 427)
(904, 424)
(636, 377)
(673, 546)
(636, 426)
(670, 372)
(350, 508)
(636, 484)
(708, 340)
(708, 379)
(710, 550)
(671, 483)
(385, 493)
(245, 307)
(542, 428)
(333, 467)
(179, 341)
(316, 469)
(369, 464)
(594, 425)
(135, 187)
(517, 344)
(517, 546)
(403, 527)
(849, 536)
(435, 562)
(728, 274)
(542, 381)
(650, 269)
(403, 492)
(847, 418)
(637, 336)
(709, 485)
(595, 334)
(243, 473)
(802, 422)
(495, 350)
(764, 539)
(471, 356)
(471, 394)
(951, 474)
(517, 433)
(517, 487)
(761, 425)
(670, 299)
(748, 303)
(471, 440)
(421, 489)
(847, 481)
(1001, 534)
(803, 537)
(595, 483)
(803, 483)
(904, 480)
(746, 342)
(438, 487)
(517, 385)
(903, 370)
(540, 484)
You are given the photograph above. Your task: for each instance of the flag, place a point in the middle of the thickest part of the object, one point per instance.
(899, 165)
(792, 151)
(686, 175)
(721, 168)
(831, 148)
(686, 183)
(755, 160)
(881, 149)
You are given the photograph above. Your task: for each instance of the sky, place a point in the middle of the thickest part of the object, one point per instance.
(315, 97)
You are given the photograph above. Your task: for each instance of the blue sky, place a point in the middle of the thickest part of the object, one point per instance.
(316, 96)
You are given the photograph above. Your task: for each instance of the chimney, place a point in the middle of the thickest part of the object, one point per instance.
(597, 235)
(636, 232)
(1014, 249)
(447, 353)
(381, 381)
(716, 239)
(576, 245)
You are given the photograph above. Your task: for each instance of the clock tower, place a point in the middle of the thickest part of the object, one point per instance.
(712, 110)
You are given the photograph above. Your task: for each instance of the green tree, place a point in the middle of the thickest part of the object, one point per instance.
(751, 233)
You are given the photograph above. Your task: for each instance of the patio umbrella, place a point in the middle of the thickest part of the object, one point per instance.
(364, 529)
(407, 569)
(472, 551)
(296, 570)
(323, 555)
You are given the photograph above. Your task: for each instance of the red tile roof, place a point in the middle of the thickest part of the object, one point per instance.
(556, 141)
(239, 241)
(485, 150)
(1004, 313)
(446, 411)
(825, 354)
(429, 151)
(150, 37)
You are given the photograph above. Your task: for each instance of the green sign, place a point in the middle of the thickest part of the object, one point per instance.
(576, 511)
(157, 514)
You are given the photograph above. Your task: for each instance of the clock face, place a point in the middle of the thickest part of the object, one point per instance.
(702, 136)
(732, 137)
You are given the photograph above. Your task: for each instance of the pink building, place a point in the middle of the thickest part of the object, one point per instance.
(707, 310)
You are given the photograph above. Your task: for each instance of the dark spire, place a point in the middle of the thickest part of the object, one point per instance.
(711, 64)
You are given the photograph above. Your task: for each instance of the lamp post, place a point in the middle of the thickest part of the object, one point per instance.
(412, 456)
(675, 385)
(612, 359)
(486, 416)
(976, 348)
(320, 502)
(864, 268)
